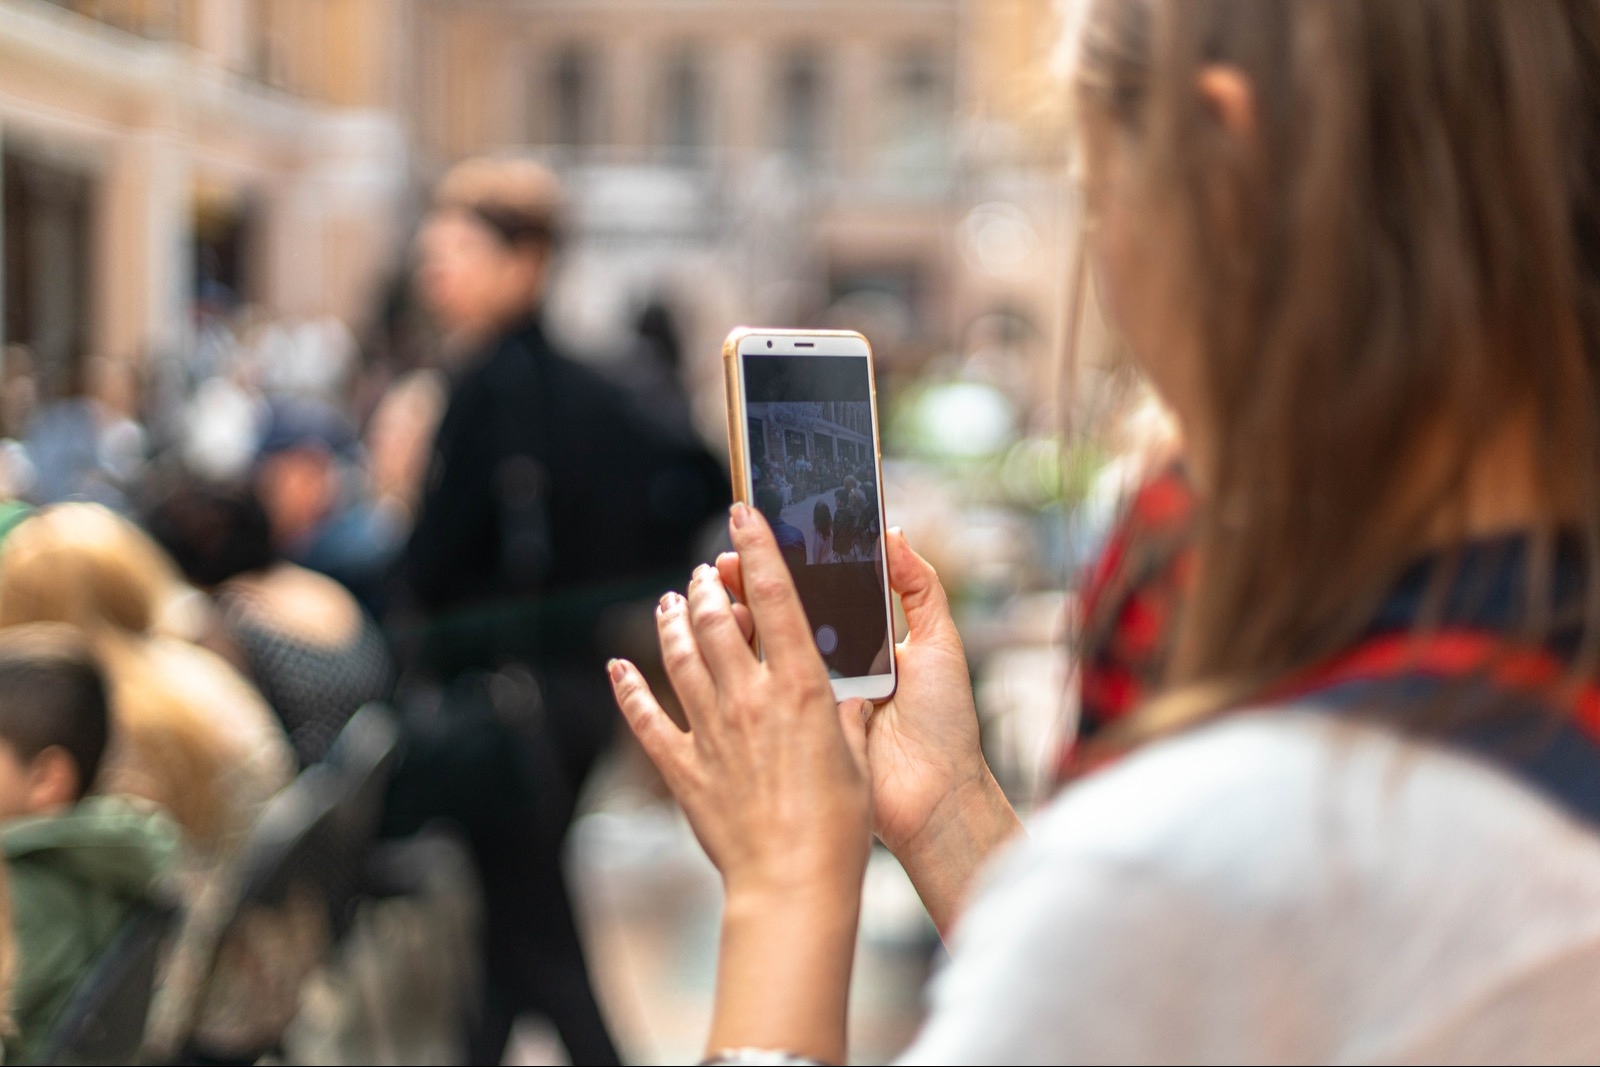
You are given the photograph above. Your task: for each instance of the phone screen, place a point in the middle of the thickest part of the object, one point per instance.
(813, 473)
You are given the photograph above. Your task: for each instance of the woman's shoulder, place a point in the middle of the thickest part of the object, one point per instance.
(1246, 804)
(1277, 885)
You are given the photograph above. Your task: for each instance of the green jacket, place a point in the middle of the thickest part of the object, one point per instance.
(12, 512)
(75, 879)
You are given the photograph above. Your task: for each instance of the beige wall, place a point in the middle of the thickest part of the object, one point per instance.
(153, 119)
(468, 46)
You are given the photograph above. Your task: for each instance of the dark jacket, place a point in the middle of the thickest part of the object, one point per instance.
(553, 496)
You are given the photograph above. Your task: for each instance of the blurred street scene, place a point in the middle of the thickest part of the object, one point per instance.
(210, 224)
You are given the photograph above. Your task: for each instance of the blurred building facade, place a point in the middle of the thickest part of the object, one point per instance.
(161, 153)
(880, 164)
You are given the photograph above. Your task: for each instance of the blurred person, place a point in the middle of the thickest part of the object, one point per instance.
(821, 549)
(399, 441)
(19, 390)
(78, 865)
(791, 540)
(306, 475)
(846, 536)
(302, 638)
(853, 487)
(297, 469)
(1353, 246)
(552, 501)
(188, 732)
(653, 371)
(18, 397)
(122, 441)
(89, 446)
(221, 428)
(871, 520)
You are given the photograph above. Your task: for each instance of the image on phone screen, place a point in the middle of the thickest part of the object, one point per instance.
(813, 474)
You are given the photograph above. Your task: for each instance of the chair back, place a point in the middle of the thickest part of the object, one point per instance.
(361, 760)
(104, 1021)
(292, 841)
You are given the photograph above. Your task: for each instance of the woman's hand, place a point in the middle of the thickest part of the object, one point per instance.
(936, 804)
(772, 775)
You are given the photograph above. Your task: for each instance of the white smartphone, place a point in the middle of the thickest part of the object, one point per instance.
(803, 444)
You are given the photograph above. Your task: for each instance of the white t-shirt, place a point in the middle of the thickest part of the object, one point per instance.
(1282, 886)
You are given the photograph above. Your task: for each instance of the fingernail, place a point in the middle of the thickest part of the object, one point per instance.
(703, 573)
(669, 603)
(739, 514)
(616, 668)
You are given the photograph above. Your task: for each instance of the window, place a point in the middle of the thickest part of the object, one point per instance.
(801, 120)
(919, 113)
(573, 97)
(684, 121)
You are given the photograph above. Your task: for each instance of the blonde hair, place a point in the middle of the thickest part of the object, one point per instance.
(84, 565)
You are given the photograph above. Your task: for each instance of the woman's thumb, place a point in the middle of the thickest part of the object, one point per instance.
(927, 609)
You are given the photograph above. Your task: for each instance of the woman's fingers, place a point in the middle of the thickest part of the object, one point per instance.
(732, 576)
(746, 621)
(769, 591)
(680, 655)
(723, 644)
(921, 594)
(731, 573)
(665, 744)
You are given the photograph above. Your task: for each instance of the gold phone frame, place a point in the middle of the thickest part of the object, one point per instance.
(874, 687)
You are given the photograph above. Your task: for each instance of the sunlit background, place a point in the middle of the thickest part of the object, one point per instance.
(208, 202)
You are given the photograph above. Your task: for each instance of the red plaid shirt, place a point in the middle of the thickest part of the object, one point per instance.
(1128, 607)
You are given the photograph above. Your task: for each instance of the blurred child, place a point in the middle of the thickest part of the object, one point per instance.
(191, 734)
(78, 867)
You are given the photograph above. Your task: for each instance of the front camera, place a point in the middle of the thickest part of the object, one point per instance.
(769, 344)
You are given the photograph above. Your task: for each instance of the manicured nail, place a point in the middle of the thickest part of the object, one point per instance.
(740, 514)
(617, 669)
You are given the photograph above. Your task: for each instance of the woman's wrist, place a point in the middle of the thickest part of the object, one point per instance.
(970, 824)
(783, 977)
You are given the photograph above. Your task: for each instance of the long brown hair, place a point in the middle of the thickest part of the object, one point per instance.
(1398, 268)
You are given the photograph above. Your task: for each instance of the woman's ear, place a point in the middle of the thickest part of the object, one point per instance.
(1230, 98)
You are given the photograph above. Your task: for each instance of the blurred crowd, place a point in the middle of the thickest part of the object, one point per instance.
(210, 566)
(311, 644)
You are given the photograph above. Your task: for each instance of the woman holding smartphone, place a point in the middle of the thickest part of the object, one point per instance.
(1356, 247)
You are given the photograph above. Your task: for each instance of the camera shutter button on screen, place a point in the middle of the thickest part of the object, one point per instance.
(827, 640)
